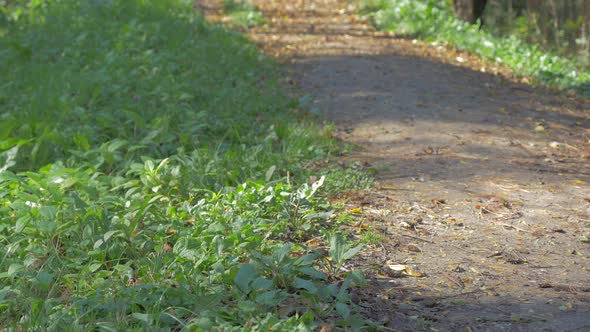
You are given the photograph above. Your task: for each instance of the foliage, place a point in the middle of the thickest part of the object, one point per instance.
(432, 20)
(242, 13)
(561, 26)
(347, 178)
(151, 176)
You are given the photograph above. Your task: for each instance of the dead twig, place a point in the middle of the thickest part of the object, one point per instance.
(391, 198)
(516, 228)
(515, 215)
(456, 281)
(565, 288)
(417, 238)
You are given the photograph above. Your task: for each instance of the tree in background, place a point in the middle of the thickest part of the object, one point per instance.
(562, 26)
(469, 10)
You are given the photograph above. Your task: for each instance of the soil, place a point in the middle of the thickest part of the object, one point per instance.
(482, 200)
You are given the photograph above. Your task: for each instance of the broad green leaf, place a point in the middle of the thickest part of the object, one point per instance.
(340, 250)
(141, 317)
(305, 284)
(247, 306)
(246, 274)
(269, 173)
(356, 277)
(94, 267)
(109, 234)
(280, 254)
(8, 176)
(14, 268)
(9, 157)
(312, 272)
(337, 248)
(97, 244)
(343, 310)
(351, 252)
(268, 298)
(261, 284)
(44, 278)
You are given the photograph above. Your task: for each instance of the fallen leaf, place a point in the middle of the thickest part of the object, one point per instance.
(540, 128)
(355, 210)
(397, 267)
(411, 272)
(402, 270)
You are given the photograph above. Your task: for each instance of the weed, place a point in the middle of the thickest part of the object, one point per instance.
(346, 179)
(371, 237)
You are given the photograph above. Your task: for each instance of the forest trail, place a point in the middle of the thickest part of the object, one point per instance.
(483, 181)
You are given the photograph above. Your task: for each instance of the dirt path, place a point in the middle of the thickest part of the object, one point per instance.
(483, 182)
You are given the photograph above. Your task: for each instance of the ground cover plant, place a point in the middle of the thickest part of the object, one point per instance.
(433, 20)
(243, 14)
(154, 175)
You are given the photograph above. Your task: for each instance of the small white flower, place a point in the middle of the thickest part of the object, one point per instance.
(31, 204)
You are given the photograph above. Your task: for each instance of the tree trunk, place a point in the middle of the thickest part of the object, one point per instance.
(586, 29)
(469, 10)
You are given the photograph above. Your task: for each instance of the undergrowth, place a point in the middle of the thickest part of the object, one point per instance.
(242, 13)
(433, 20)
(152, 176)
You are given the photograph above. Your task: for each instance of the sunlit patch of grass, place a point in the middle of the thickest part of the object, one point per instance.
(348, 178)
(371, 237)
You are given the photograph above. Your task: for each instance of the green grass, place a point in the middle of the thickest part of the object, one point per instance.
(242, 13)
(432, 20)
(153, 175)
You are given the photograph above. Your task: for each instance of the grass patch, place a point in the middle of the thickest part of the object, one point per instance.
(242, 13)
(348, 178)
(432, 20)
(151, 176)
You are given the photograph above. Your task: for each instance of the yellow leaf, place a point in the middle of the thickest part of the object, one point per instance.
(355, 210)
(410, 272)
